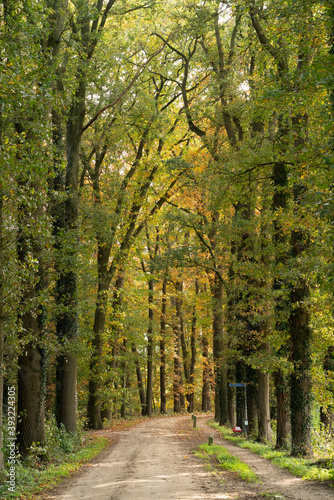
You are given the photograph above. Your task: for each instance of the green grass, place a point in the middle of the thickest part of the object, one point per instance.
(322, 470)
(40, 475)
(227, 461)
(45, 467)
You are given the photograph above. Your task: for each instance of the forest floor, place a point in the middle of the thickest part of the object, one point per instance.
(154, 460)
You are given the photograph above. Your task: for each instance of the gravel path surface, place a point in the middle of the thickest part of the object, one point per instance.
(154, 461)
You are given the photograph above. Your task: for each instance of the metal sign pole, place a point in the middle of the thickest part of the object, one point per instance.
(241, 384)
(246, 413)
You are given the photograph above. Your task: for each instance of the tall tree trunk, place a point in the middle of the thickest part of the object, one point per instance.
(327, 415)
(31, 363)
(97, 362)
(177, 378)
(31, 395)
(219, 352)
(299, 322)
(300, 334)
(299, 317)
(241, 376)
(94, 406)
(252, 398)
(2, 298)
(242, 307)
(280, 180)
(163, 398)
(189, 359)
(125, 379)
(231, 399)
(67, 294)
(264, 427)
(282, 409)
(142, 395)
(193, 354)
(85, 27)
(185, 357)
(301, 376)
(206, 403)
(265, 324)
(150, 349)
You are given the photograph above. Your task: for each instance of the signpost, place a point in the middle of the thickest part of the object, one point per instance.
(241, 384)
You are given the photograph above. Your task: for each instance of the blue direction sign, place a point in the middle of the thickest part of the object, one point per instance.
(237, 384)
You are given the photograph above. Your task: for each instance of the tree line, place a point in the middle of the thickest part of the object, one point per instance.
(166, 213)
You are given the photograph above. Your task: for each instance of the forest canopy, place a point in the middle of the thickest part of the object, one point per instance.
(166, 204)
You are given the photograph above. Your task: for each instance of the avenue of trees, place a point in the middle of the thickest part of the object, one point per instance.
(166, 213)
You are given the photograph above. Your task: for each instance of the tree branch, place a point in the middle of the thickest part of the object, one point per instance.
(122, 94)
(281, 62)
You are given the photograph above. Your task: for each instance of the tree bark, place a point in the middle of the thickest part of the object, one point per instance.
(150, 349)
(185, 353)
(299, 322)
(142, 395)
(67, 297)
(219, 352)
(178, 396)
(264, 426)
(163, 398)
(125, 380)
(300, 333)
(243, 326)
(206, 403)
(327, 414)
(31, 397)
(99, 363)
(252, 398)
(231, 399)
(301, 377)
(31, 389)
(193, 355)
(282, 408)
(96, 366)
(265, 325)
(280, 180)
(2, 317)
(240, 375)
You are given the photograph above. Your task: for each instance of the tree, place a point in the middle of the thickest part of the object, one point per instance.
(114, 247)
(25, 169)
(162, 344)
(149, 271)
(299, 328)
(207, 127)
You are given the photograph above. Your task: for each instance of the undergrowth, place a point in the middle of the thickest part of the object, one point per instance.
(319, 468)
(45, 466)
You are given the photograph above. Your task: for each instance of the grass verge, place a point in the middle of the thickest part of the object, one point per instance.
(32, 479)
(227, 461)
(321, 470)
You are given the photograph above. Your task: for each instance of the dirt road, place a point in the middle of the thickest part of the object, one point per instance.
(154, 461)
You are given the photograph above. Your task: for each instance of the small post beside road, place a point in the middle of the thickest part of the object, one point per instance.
(194, 421)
